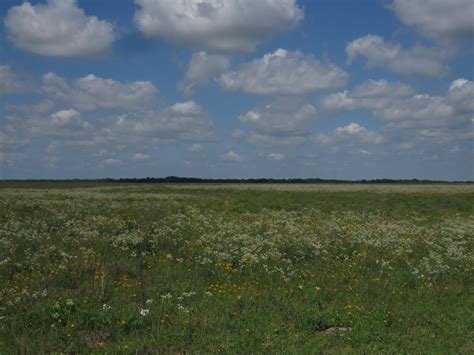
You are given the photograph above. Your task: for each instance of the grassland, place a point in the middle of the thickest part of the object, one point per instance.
(237, 269)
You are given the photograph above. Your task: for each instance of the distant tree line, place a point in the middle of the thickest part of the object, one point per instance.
(192, 180)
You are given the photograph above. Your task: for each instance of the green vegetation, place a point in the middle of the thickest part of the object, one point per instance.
(237, 269)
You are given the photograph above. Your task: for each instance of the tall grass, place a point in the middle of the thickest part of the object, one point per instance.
(168, 269)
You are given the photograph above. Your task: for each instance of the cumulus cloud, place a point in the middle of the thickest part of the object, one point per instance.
(383, 88)
(283, 116)
(262, 139)
(285, 121)
(140, 157)
(217, 25)
(65, 125)
(196, 147)
(238, 133)
(91, 93)
(284, 73)
(58, 28)
(69, 118)
(397, 105)
(232, 156)
(112, 161)
(407, 61)
(276, 156)
(15, 82)
(461, 96)
(202, 67)
(371, 94)
(418, 110)
(186, 108)
(92, 112)
(441, 20)
(181, 121)
(352, 133)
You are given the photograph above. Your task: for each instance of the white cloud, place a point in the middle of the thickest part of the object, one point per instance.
(418, 116)
(260, 139)
(216, 25)
(418, 110)
(91, 93)
(371, 94)
(58, 28)
(441, 20)
(407, 61)
(186, 108)
(455, 150)
(283, 116)
(196, 147)
(285, 121)
(352, 133)
(284, 73)
(238, 133)
(69, 118)
(406, 145)
(383, 88)
(182, 121)
(276, 156)
(112, 162)
(340, 101)
(14, 82)
(64, 125)
(75, 130)
(140, 157)
(202, 67)
(232, 156)
(461, 96)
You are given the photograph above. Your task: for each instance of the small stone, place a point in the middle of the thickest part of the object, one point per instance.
(335, 330)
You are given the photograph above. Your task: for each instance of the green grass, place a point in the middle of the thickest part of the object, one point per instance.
(236, 269)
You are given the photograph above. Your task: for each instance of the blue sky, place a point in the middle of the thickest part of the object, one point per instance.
(237, 89)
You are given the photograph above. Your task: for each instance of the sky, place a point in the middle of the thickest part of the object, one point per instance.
(332, 89)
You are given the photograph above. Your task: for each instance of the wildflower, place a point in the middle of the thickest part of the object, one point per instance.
(149, 301)
(106, 307)
(228, 266)
(69, 302)
(167, 296)
(144, 312)
(99, 343)
(182, 308)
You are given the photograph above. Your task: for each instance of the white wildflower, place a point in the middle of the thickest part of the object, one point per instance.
(144, 312)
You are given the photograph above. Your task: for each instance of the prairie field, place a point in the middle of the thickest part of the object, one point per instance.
(236, 268)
